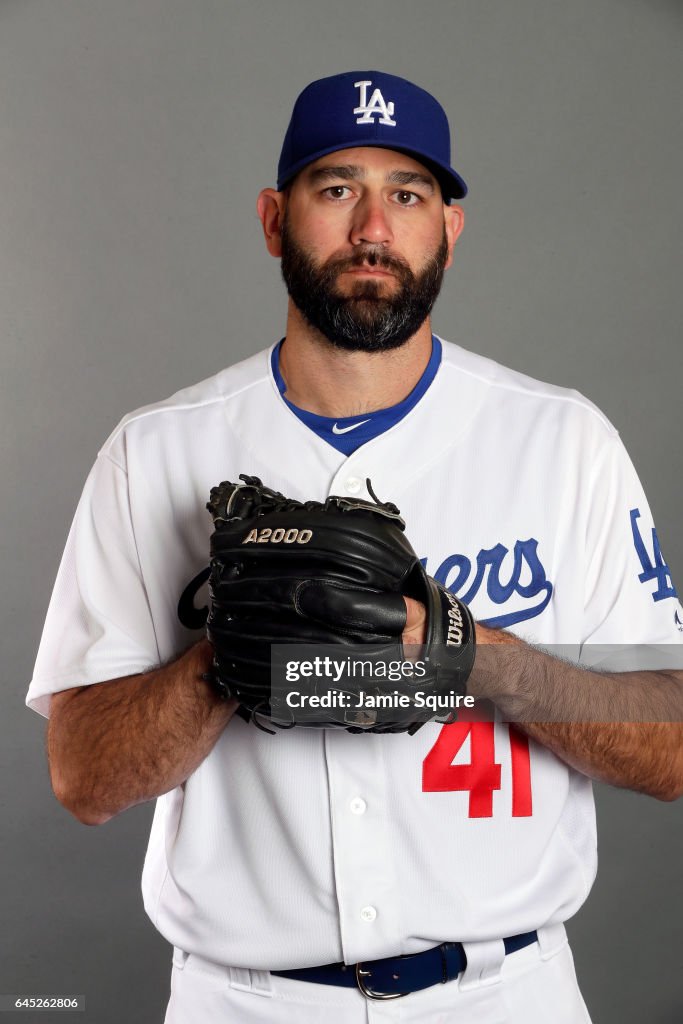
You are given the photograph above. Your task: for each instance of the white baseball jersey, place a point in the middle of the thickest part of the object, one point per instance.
(315, 846)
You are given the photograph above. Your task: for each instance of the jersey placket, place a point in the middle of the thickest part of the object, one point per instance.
(365, 876)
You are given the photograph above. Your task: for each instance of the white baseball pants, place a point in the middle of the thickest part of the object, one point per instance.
(535, 985)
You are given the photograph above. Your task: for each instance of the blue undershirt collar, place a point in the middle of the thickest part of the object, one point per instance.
(349, 433)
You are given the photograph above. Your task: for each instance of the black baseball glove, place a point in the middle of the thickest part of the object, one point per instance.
(332, 575)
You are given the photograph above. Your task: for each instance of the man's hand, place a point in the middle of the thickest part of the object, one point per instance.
(415, 630)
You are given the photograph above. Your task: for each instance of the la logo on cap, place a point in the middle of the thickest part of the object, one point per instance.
(374, 108)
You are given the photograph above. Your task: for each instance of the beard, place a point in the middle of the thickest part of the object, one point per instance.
(364, 320)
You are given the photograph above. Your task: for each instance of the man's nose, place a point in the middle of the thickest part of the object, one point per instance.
(371, 222)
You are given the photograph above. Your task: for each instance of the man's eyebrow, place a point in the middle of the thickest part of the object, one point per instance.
(410, 178)
(347, 172)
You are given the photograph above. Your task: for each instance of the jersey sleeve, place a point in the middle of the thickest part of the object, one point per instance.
(633, 618)
(98, 625)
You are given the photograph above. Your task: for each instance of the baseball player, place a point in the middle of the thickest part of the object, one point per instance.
(313, 873)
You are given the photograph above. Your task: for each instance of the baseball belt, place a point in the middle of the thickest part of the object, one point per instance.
(398, 976)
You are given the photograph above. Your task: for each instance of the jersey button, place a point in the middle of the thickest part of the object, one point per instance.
(358, 805)
(368, 914)
(353, 484)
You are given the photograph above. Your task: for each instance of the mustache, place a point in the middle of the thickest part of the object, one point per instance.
(371, 257)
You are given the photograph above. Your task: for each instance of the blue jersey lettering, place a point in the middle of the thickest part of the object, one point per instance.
(653, 568)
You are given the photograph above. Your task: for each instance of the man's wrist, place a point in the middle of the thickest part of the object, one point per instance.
(498, 663)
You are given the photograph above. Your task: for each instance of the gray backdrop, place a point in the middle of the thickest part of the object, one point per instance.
(133, 139)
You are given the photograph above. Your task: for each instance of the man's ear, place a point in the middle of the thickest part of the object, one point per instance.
(270, 207)
(454, 220)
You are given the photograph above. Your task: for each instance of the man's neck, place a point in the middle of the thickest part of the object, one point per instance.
(333, 382)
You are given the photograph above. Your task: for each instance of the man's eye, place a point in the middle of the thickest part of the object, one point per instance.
(338, 191)
(404, 198)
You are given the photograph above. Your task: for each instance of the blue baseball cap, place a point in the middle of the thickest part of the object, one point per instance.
(369, 108)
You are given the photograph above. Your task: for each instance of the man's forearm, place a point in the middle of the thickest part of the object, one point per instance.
(115, 744)
(622, 728)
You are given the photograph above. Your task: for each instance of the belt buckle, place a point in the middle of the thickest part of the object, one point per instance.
(361, 974)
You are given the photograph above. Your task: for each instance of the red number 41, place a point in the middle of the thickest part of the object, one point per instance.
(482, 775)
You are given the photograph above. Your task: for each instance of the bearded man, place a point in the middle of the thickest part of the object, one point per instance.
(317, 874)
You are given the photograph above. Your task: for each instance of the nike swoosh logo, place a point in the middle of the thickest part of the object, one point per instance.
(345, 430)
